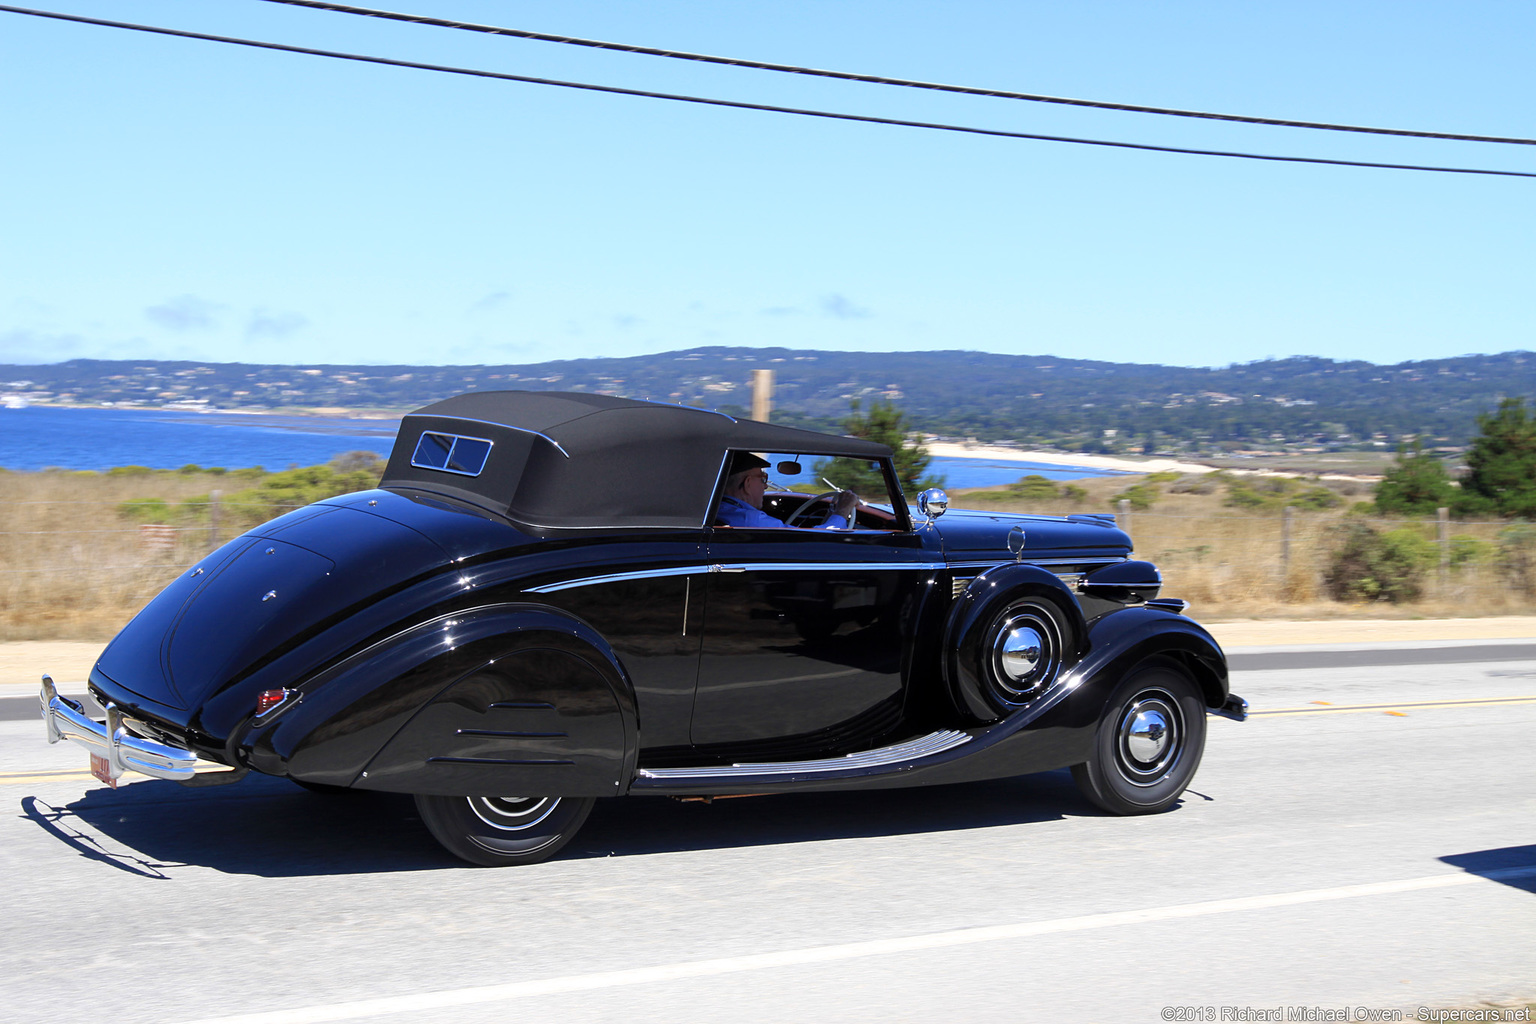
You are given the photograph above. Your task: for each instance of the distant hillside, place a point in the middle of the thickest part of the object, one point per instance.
(1300, 402)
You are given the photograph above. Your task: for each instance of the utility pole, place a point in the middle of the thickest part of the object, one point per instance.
(762, 395)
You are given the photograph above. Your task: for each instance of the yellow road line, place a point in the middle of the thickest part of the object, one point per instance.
(1394, 709)
(71, 774)
(13, 778)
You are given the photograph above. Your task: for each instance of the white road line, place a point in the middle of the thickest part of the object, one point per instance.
(434, 1001)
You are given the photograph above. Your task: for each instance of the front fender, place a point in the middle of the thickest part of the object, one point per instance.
(1120, 640)
(506, 699)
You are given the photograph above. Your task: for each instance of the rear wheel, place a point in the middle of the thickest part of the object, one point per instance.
(494, 831)
(1149, 741)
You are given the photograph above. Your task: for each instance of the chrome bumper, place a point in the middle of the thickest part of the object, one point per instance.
(122, 751)
(1235, 708)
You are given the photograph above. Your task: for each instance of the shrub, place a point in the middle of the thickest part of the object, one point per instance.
(1196, 483)
(1317, 499)
(1141, 496)
(1266, 492)
(1369, 566)
(1034, 488)
(295, 488)
(1468, 551)
(1517, 557)
(146, 510)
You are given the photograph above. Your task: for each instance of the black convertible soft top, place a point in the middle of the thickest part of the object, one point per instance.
(564, 460)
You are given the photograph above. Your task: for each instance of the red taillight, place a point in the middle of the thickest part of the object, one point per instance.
(269, 699)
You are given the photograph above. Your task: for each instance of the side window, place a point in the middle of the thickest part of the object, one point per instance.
(807, 492)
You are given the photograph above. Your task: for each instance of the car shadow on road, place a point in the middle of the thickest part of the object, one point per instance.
(269, 827)
(660, 825)
(1512, 865)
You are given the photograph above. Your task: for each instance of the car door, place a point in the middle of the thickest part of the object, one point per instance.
(805, 635)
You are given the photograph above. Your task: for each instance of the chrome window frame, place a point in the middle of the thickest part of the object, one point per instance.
(447, 466)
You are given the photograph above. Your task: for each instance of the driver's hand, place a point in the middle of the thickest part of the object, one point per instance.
(846, 502)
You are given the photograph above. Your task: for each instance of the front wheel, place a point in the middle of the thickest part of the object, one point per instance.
(1149, 742)
(495, 831)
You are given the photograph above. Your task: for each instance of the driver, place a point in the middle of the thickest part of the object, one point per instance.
(742, 505)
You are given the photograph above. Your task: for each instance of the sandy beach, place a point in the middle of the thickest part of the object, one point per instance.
(951, 450)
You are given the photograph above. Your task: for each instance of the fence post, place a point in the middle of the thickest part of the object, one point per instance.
(213, 520)
(1443, 538)
(1285, 543)
(1123, 520)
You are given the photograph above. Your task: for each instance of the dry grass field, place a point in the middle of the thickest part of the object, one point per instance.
(75, 566)
(1228, 561)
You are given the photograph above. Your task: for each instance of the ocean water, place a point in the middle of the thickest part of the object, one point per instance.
(39, 437)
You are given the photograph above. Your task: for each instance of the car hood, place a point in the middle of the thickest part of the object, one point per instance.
(968, 534)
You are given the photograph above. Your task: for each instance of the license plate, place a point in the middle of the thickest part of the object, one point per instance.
(102, 770)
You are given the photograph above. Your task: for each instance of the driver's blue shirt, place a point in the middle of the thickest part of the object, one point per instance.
(737, 513)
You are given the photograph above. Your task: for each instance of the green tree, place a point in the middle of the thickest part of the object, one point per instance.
(1501, 465)
(1416, 484)
(886, 425)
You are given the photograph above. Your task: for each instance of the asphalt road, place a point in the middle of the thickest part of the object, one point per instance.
(1368, 860)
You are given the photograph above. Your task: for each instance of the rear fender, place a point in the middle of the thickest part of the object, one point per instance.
(505, 699)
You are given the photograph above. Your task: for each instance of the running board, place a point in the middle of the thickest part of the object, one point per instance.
(933, 743)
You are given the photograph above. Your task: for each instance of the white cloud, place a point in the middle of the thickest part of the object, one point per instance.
(184, 313)
(840, 306)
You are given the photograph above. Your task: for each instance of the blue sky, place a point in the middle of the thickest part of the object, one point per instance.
(175, 199)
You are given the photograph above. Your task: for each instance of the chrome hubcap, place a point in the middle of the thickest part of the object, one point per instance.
(1026, 653)
(512, 813)
(1019, 652)
(1150, 737)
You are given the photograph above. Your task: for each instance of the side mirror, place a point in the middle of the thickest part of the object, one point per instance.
(933, 503)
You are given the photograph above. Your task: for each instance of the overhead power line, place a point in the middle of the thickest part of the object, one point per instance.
(740, 105)
(847, 76)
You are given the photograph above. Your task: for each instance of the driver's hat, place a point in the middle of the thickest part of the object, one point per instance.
(741, 462)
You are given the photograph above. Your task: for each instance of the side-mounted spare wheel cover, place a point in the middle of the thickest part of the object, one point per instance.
(1009, 637)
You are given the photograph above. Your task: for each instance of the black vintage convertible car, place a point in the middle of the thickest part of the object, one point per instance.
(544, 602)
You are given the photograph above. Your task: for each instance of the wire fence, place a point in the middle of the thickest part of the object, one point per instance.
(80, 568)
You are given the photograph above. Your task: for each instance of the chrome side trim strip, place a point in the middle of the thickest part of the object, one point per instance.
(616, 577)
(693, 408)
(922, 746)
(66, 720)
(1043, 562)
(734, 567)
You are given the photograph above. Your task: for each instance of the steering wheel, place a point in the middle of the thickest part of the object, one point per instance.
(805, 507)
